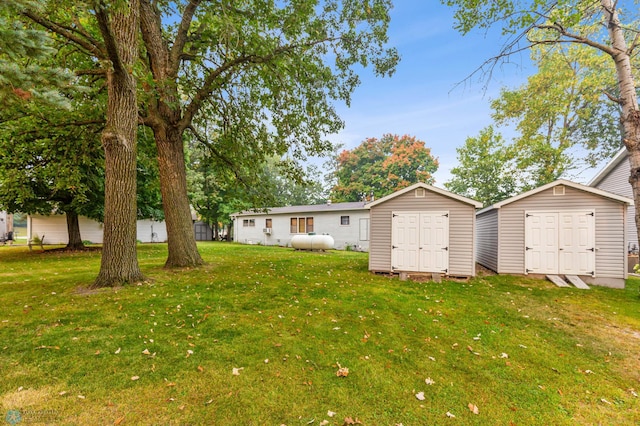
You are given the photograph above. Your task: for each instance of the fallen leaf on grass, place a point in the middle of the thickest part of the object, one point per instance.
(62, 393)
(450, 415)
(146, 352)
(81, 396)
(118, 421)
(420, 396)
(504, 355)
(117, 351)
(342, 371)
(97, 352)
(170, 384)
(605, 401)
(350, 421)
(633, 392)
(429, 381)
(331, 413)
(236, 371)
(135, 378)
(324, 423)
(473, 408)
(200, 368)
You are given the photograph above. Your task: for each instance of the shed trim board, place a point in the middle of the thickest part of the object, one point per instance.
(420, 241)
(560, 242)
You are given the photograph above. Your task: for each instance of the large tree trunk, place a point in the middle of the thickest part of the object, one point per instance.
(73, 229)
(183, 250)
(119, 254)
(164, 117)
(628, 100)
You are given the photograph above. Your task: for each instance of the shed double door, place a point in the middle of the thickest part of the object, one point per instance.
(420, 241)
(560, 242)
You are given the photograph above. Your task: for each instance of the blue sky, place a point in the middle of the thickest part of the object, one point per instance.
(421, 99)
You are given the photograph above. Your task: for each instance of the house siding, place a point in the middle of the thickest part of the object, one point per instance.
(323, 223)
(617, 182)
(461, 230)
(54, 229)
(609, 224)
(487, 239)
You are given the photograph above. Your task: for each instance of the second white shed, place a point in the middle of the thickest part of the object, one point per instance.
(561, 228)
(423, 229)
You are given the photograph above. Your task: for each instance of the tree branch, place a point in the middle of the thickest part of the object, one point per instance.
(110, 44)
(224, 159)
(86, 44)
(211, 78)
(176, 53)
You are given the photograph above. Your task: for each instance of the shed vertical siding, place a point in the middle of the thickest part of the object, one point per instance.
(487, 239)
(610, 239)
(461, 230)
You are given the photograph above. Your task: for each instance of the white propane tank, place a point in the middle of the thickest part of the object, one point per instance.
(312, 242)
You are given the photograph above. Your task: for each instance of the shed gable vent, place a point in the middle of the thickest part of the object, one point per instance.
(558, 190)
(421, 193)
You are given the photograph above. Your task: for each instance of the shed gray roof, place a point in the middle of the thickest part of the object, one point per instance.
(316, 208)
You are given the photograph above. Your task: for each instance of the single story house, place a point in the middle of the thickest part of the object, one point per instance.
(347, 223)
(54, 229)
(557, 229)
(614, 177)
(422, 228)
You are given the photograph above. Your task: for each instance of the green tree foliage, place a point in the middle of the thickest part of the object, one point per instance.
(379, 167)
(217, 190)
(559, 114)
(22, 76)
(487, 171)
(265, 74)
(607, 26)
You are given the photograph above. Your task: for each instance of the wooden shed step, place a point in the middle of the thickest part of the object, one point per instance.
(557, 281)
(576, 281)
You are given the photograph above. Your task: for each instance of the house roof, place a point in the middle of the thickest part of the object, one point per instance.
(564, 182)
(612, 164)
(316, 208)
(466, 200)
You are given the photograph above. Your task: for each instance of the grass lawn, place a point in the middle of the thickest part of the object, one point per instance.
(522, 351)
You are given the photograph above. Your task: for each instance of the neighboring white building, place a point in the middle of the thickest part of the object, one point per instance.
(347, 223)
(54, 229)
(6, 224)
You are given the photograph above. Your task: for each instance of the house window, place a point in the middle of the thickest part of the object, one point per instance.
(248, 222)
(344, 220)
(301, 225)
(268, 223)
(420, 193)
(558, 190)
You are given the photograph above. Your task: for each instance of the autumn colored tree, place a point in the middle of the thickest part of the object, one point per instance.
(379, 167)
